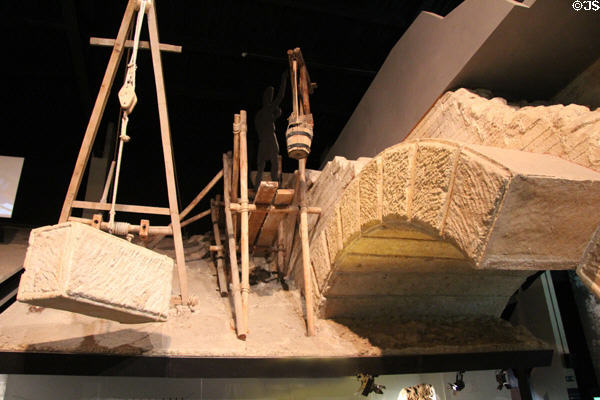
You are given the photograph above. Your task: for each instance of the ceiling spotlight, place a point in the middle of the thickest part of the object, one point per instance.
(459, 383)
(368, 385)
(502, 379)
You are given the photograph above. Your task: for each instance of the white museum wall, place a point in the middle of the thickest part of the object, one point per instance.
(479, 385)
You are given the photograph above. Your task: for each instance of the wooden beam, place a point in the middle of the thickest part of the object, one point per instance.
(152, 230)
(92, 205)
(235, 177)
(280, 249)
(245, 255)
(214, 214)
(306, 265)
(195, 218)
(242, 330)
(105, 42)
(273, 209)
(165, 131)
(97, 111)
(190, 207)
(201, 195)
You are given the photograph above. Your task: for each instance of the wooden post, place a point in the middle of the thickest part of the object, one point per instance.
(167, 151)
(220, 268)
(242, 330)
(98, 111)
(236, 167)
(305, 250)
(291, 225)
(304, 89)
(244, 216)
(280, 249)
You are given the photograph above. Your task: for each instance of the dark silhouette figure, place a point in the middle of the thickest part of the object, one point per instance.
(268, 149)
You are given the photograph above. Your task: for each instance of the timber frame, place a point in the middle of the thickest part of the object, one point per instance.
(92, 129)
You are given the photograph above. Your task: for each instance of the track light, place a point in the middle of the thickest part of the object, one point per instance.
(503, 380)
(368, 385)
(459, 383)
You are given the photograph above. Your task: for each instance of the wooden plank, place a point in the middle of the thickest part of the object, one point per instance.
(97, 111)
(92, 205)
(284, 197)
(106, 42)
(264, 196)
(266, 192)
(165, 131)
(268, 232)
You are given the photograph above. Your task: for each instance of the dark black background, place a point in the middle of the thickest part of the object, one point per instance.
(52, 75)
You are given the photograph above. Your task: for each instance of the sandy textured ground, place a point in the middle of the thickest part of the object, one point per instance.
(276, 327)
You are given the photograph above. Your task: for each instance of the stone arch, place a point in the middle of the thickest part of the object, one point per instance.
(477, 210)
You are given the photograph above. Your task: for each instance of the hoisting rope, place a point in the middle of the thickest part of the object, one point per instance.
(128, 100)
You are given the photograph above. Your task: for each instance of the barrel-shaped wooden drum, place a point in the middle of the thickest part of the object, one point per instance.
(299, 136)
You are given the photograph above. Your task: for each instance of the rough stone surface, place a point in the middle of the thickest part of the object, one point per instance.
(452, 204)
(413, 306)
(370, 194)
(326, 191)
(74, 267)
(334, 235)
(479, 186)
(350, 212)
(396, 177)
(570, 132)
(434, 164)
(320, 260)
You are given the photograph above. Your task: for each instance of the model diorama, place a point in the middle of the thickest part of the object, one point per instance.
(434, 234)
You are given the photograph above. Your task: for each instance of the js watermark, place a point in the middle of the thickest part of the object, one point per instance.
(586, 5)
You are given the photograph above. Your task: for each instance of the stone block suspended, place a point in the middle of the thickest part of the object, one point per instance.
(77, 268)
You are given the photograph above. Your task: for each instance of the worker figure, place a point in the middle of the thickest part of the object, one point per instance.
(268, 148)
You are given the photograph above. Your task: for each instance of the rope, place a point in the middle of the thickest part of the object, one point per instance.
(124, 138)
(132, 66)
(121, 228)
(127, 92)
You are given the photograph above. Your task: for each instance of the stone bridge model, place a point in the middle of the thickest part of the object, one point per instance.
(437, 227)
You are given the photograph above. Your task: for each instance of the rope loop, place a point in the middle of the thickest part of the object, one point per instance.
(120, 228)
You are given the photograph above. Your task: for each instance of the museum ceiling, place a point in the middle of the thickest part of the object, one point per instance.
(232, 50)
